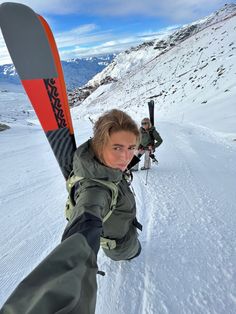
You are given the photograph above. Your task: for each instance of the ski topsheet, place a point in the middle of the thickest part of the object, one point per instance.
(35, 56)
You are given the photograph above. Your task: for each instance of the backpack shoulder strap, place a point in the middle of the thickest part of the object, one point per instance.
(113, 187)
(72, 180)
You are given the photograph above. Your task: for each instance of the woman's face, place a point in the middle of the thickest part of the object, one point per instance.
(145, 125)
(119, 150)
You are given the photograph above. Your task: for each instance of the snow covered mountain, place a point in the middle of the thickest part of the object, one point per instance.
(8, 74)
(186, 203)
(137, 57)
(77, 72)
(183, 74)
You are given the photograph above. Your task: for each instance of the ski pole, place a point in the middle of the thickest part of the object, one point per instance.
(146, 177)
(149, 164)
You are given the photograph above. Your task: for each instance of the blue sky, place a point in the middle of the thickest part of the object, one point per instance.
(91, 27)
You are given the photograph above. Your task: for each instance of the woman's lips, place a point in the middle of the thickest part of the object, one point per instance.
(122, 165)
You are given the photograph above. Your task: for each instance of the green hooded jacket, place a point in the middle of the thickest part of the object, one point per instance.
(150, 137)
(65, 281)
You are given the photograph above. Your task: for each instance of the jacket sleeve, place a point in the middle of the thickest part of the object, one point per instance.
(65, 281)
(157, 137)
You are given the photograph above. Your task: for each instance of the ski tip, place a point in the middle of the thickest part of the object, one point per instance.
(13, 6)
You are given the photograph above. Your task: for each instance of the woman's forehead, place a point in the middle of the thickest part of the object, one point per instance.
(123, 138)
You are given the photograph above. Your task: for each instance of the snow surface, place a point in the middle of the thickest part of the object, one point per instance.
(186, 203)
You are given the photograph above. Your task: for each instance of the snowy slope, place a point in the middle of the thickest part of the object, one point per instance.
(193, 82)
(187, 209)
(129, 60)
(187, 206)
(188, 212)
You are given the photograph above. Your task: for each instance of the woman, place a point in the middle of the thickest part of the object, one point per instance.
(149, 141)
(65, 282)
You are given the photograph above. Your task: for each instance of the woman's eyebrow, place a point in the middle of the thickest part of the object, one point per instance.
(120, 145)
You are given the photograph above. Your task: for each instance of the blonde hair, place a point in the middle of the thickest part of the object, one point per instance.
(110, 122)
(148, 121)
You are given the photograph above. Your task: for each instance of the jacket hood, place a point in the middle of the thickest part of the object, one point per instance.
(86, 164)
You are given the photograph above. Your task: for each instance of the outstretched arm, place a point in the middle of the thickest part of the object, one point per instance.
(59, 282)
(65, 281)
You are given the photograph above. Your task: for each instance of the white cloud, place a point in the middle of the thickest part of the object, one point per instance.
(151, 34)
(97, 42)
(4, 54)
(75, 36)
(51, 6)
(91, 46)
(88, 39)
(105, 48)
(178, 10)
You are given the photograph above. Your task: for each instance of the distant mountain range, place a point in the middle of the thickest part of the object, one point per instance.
(77, 72)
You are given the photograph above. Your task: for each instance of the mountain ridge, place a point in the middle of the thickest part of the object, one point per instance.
(77, 71)
(186, 80)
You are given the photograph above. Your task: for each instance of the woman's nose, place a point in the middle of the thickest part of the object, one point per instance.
(127, 154)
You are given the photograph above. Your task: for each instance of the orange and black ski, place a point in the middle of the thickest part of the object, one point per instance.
(34, 53)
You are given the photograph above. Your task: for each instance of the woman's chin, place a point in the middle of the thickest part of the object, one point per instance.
(122, 167)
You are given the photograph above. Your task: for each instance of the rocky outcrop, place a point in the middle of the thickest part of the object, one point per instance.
(3, 127)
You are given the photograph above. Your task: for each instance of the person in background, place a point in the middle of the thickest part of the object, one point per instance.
(101, 212)
(150, 139)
